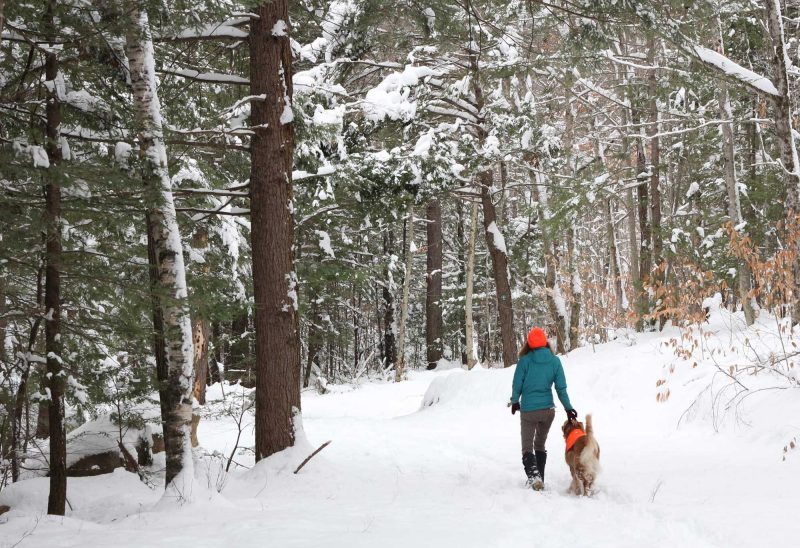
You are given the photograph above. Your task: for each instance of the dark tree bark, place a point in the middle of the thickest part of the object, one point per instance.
(272, 231)
(57, 497)
(461, 342)
(643, 301)
(389, 338)
(356, 302)
(505, 308)
(433, 298)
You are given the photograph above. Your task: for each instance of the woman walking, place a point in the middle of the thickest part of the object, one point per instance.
(538, 369)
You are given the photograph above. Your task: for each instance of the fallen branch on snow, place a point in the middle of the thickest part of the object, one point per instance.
(308, 458)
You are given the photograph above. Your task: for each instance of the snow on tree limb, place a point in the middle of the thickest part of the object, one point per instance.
(759, 83)
(208, 32)
(211, 77)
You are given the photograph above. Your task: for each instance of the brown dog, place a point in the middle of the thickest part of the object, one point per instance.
(582, 455)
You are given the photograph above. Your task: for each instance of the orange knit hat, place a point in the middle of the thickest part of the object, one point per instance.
(537, 338)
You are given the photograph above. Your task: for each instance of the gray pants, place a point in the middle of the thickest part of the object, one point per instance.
(534, 426)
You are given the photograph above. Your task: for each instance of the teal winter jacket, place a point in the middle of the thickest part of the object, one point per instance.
(534, 377)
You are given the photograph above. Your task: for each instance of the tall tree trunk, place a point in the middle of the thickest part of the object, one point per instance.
(616, 277)
(643, 301)
(389, 337)
(469, 324)
(633, 245)
(274, 278)
(729, 172)
(55, 382)
(786, 138)
(460, 313)
(656, 244)
(356, 306)
(497, 251)
(433, 297)
(576, 289)
(408, 252)
(553, 296)
(175, 378)
(494, 237)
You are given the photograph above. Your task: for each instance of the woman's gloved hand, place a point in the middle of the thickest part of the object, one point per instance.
(572, 414)
(514, 407)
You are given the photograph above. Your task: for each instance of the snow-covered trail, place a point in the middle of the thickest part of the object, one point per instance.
(449, 474)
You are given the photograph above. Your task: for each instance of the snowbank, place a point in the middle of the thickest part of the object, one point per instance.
(478, 387)
(100, 499)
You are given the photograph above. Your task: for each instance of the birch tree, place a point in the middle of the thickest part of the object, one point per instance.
(170, 293)
(408, 252)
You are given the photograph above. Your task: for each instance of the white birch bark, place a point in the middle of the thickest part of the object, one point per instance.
(729, 173)
(171, 275)
(400, 361)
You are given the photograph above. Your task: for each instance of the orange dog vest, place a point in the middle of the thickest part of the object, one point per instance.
(574, 435)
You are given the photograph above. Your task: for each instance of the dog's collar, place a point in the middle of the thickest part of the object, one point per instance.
(574, 435)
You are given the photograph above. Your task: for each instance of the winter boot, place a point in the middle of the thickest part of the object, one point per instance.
(541, 460)
(534, 478)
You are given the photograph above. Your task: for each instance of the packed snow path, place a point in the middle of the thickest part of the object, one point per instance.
(402, 474)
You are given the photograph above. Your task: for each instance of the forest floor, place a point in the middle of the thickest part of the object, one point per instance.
(435, 461)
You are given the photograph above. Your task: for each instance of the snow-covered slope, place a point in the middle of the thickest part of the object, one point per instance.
(435, 461)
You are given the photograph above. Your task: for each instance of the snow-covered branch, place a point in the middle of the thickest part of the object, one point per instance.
(209, 77)
(730, 68)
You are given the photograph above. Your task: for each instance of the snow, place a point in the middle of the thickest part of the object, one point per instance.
(424, 143)
(122, 153)
(434, 461)
(85, 101)
(711, 57)
(391, 98)
(328, 116)
(39, 157)
(208, 76)
(279, 28)
(216, 30)
(287, 116)
(497, 237)
(325, 243)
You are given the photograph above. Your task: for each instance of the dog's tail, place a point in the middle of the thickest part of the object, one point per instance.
(590, 456)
